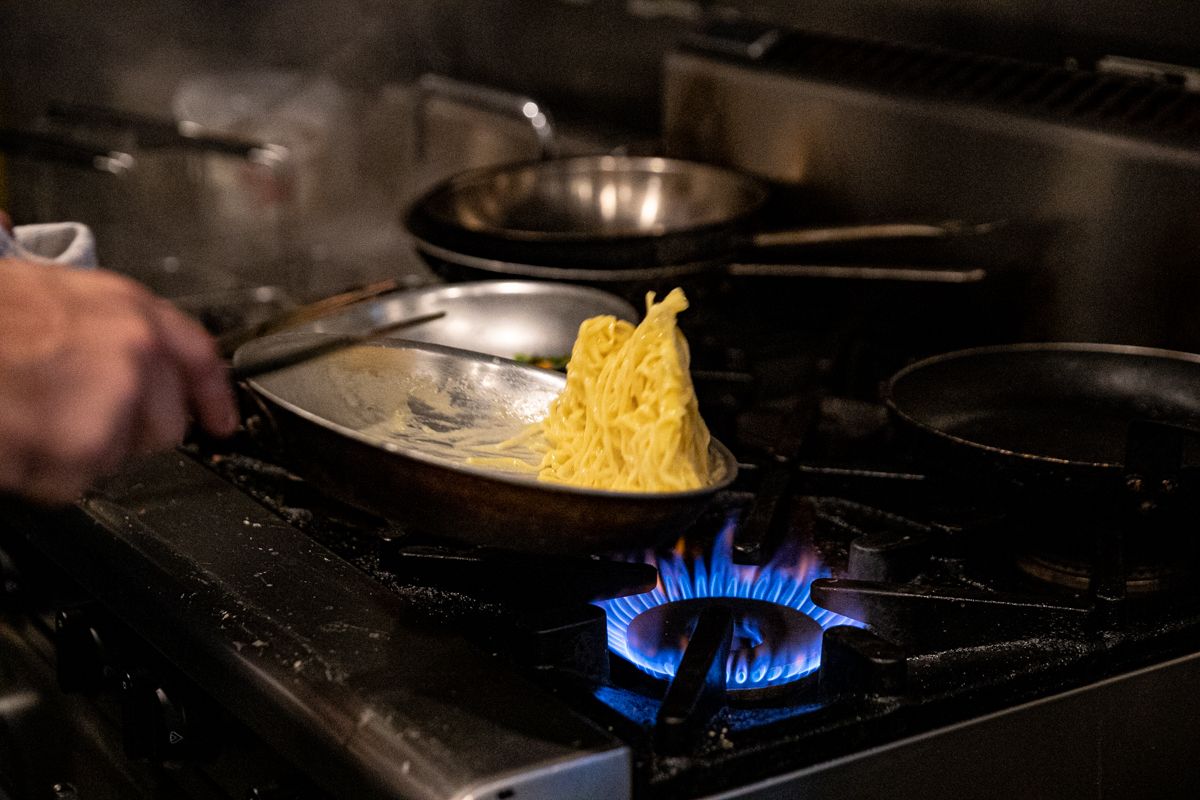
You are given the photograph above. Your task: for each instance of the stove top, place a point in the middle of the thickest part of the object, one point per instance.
(839, 620)
(868, 603)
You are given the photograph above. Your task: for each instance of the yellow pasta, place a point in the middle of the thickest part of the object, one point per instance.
(628, 418)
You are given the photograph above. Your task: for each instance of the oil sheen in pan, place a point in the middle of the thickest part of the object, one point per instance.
(440, 422)
(472, 420)
(455, 418)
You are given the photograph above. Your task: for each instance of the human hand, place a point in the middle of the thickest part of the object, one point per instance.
(95, 369)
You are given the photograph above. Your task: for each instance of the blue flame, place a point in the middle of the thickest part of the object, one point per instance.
(786, 580)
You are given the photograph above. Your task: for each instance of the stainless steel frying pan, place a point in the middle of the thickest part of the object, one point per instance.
(388, 426)
(616, 212)
(499, 318)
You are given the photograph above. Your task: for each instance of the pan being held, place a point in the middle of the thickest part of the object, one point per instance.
(395, 427)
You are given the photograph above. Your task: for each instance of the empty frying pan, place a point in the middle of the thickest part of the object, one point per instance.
(611, 213)
(1050, 415)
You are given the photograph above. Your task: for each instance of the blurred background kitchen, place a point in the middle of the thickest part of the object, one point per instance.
(245, 157)
(1076, 125)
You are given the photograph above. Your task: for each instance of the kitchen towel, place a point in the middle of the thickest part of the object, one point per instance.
(68, 243)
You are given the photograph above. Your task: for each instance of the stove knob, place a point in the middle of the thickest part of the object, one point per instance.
(154, 724)
(81, 663)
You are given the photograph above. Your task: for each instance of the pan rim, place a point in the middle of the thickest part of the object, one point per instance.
(567, 274)
(604, 299)
(518, 480)
(1021, 347)
(424, 205)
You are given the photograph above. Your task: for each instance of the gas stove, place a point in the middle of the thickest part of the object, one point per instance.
(841, 619)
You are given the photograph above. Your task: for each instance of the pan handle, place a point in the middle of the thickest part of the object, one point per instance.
(56, 149)
(153, 133)
(514, 105)
(1155, 465)
(842, 234)
(231, 340)
(861, 272)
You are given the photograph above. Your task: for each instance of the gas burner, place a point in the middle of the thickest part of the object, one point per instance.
(1069, 550)
(1076, 574)
(776, 626)
(772, 644)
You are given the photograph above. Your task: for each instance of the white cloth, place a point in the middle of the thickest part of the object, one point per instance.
(69, 243)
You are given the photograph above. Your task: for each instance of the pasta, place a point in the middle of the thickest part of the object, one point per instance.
(628, 418)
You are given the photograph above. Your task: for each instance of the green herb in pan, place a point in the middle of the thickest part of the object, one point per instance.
(545, 362)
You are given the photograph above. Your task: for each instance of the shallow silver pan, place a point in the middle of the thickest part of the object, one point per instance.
(336, 420)
(621, 212)
(506, 318)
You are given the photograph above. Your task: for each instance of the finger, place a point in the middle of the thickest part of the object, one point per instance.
(43, 478)
(206, 380)
(96, 420)
(51, 486)
(160, 420)
(5, 221)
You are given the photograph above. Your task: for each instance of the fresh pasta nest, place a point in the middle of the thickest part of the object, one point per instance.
(628, 419)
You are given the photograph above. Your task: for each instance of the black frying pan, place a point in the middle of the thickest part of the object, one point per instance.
(1049, 415)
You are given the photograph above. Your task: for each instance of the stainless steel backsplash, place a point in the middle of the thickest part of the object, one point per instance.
(1102, 220)
(1120, 249)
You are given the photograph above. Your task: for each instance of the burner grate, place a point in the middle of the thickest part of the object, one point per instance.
(691, 576)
